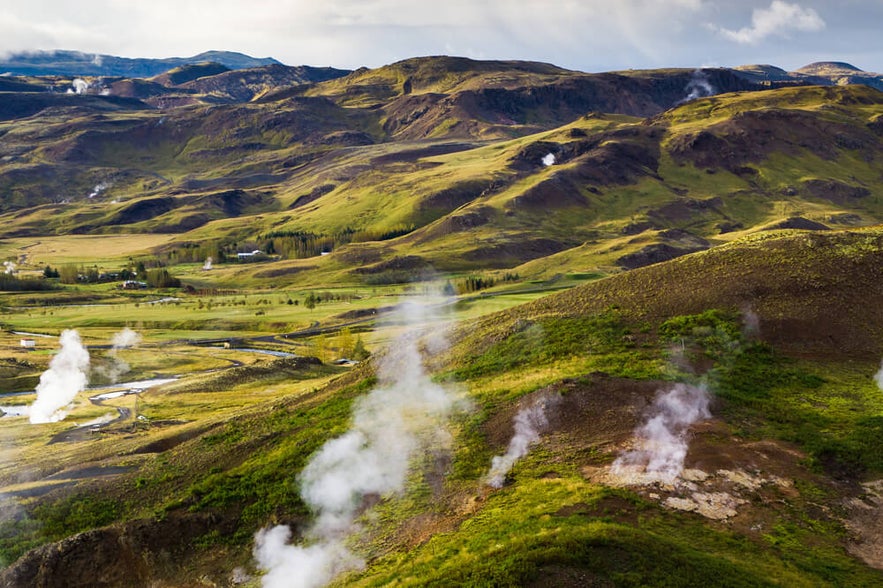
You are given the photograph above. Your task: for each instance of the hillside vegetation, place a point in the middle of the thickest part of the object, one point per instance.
(445, 322)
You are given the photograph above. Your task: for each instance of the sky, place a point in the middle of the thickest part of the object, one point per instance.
(585, 35)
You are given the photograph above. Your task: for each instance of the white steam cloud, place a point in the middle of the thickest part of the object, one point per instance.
(549, 159)
(404, 415)
(662, 439)
(117, 366)
(66, 377)
(530, 422)
(779, 19)
(98, 189)
(125, 339)
(8, 267)
(208, 264)
(878, 377)
(78, 86)
(699, 86)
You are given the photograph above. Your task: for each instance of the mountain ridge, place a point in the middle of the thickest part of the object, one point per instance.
(65, 62)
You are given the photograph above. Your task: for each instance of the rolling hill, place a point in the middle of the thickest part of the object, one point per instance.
(656, 361)
(452, 164)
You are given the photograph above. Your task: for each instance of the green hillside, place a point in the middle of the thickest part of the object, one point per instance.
(444, 322)
(775, 469)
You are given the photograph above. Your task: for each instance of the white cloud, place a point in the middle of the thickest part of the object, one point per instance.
(590, 35)
(23, 34)
(779, 19)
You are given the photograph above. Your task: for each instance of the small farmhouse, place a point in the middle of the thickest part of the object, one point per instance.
(133, 285)
(249, 255)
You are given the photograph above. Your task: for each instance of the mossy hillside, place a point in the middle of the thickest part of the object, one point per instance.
(791, 281)
(578, 524)
(226, 417)
(477, 191)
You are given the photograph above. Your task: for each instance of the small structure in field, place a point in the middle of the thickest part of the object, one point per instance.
(28, 344)
(133, 285)
(250, 255)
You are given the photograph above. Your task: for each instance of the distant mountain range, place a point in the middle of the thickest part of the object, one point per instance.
(77, 63)
(822, 73)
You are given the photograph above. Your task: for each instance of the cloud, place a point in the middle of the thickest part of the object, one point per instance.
(352, 33)
(780, 19)
(588, 35)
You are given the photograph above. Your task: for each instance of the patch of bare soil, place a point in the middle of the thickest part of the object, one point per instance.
(865, 523)
(590, 412)
(747, 485)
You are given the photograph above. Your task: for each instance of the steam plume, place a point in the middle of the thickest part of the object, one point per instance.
(98, 189)
(125, 338)
(208, 264)
(549, 159)
(79, 86)
(405, 414)
(699, 86)
(117, 366)
(59, 385)
(529, 423)
(9, 267)
(878, 377)
(662, 439)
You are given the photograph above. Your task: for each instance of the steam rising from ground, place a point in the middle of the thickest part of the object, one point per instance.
(529, 423)
(59, 385)
(208, 264)
(78, 86)
(125, 339)
(549, 159)
(699, 86)
(98, 189)
(878, 377)
(404, 415)
(9, 267)
(116, 366)
(662, 439)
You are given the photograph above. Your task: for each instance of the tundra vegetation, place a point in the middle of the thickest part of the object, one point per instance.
(257, 240)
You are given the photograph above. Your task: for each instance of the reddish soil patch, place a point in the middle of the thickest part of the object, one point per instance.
(583, 414)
